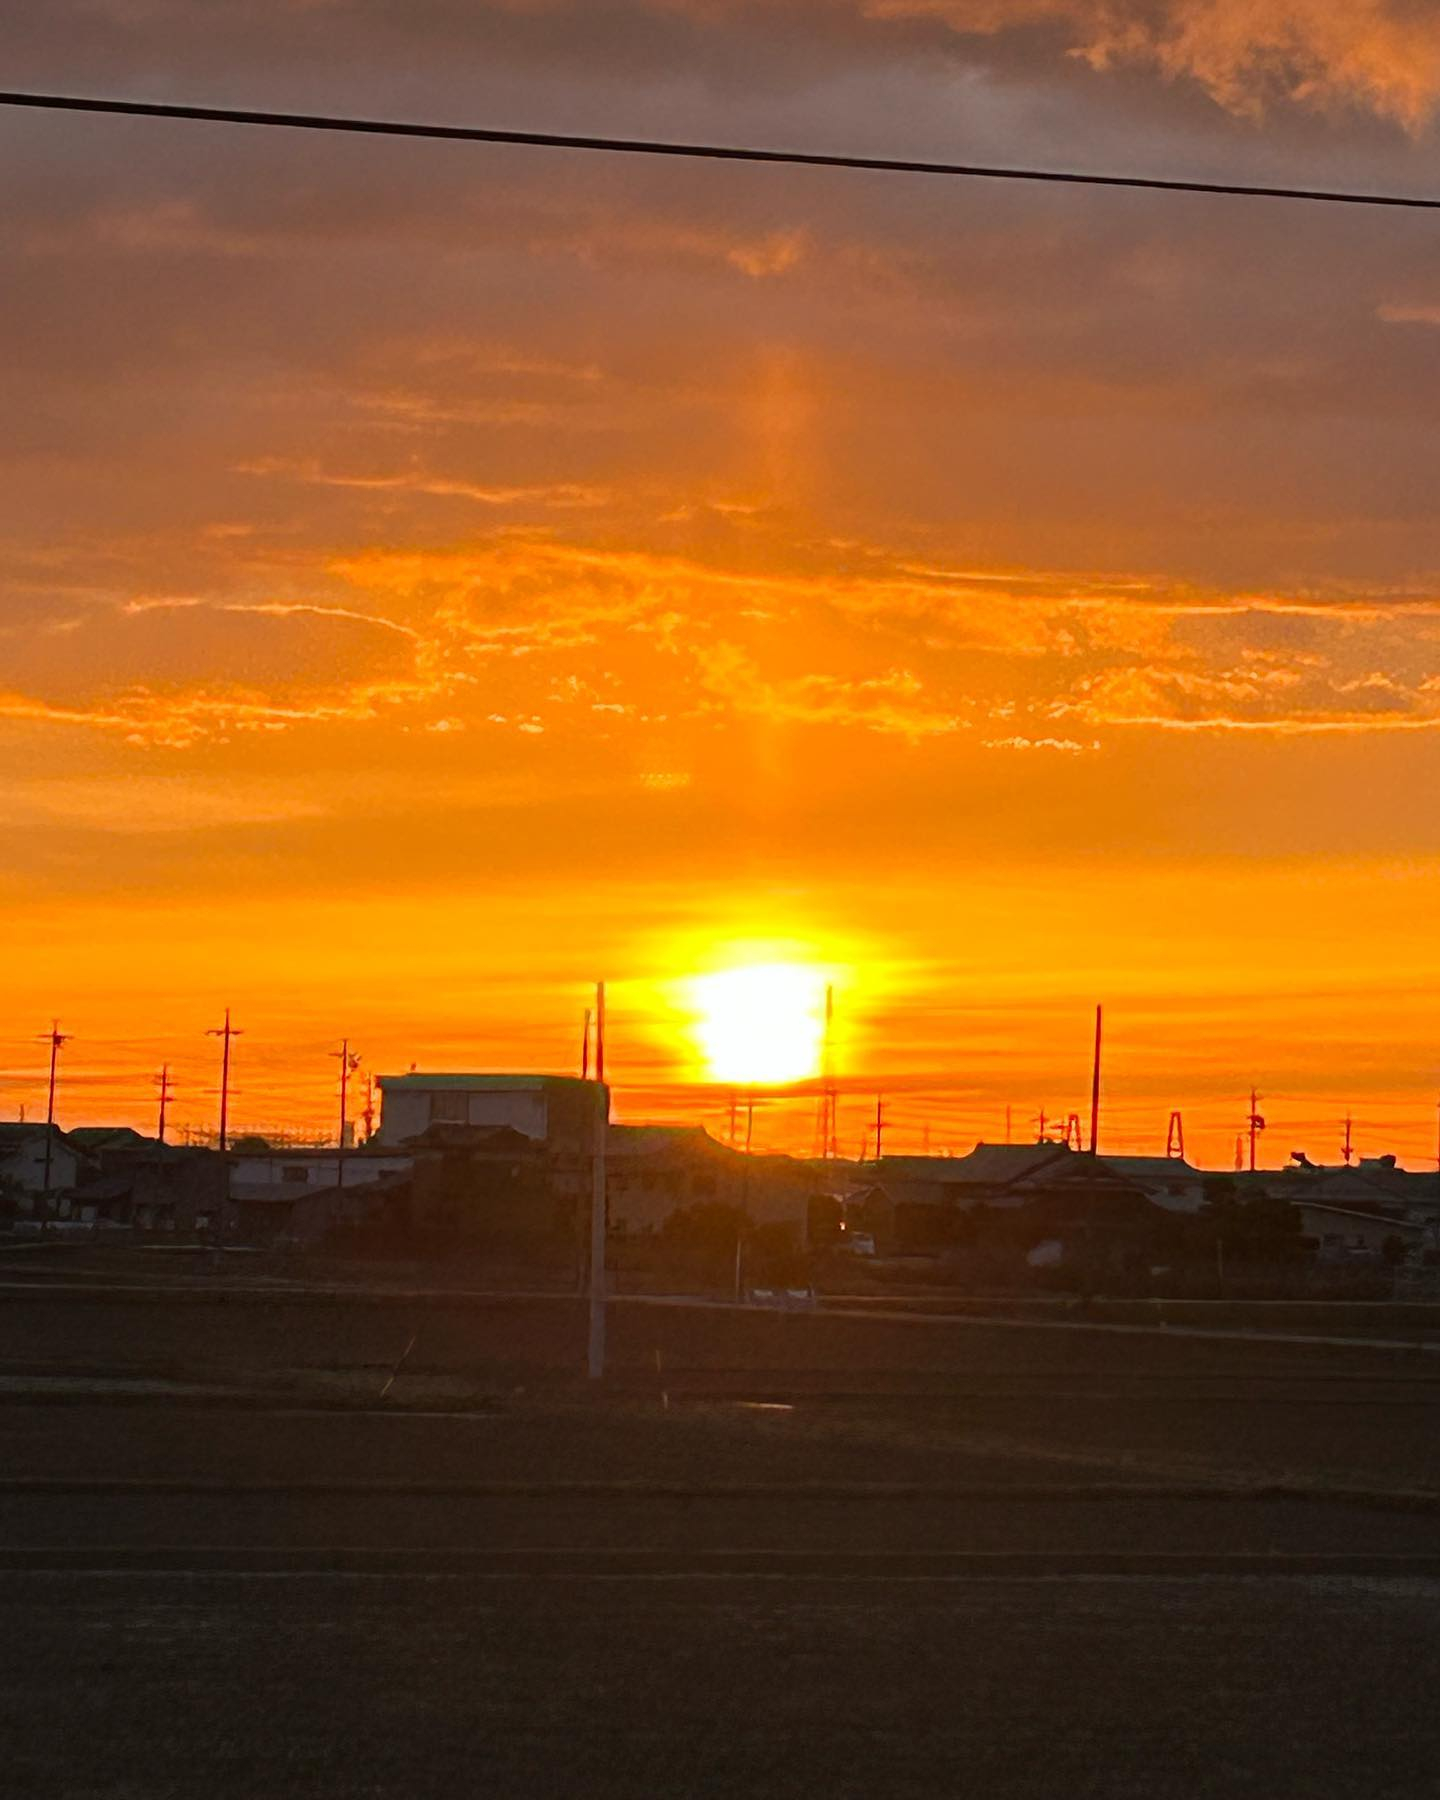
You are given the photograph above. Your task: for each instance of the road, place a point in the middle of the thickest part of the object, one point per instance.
(798, 1556)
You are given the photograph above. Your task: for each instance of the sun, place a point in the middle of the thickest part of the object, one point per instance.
(761, 1025)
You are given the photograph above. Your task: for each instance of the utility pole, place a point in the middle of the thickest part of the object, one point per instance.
(879, 1127)
(596, 1349)
(55, 1037)
(1256, 1125)
(1347, 1149)
(1042, 1123)
(349, 1063)
(585, 1048)
(1175, 1138)
(1007, 1122)
(367, 1113)
(832, 1149)
(162, 1081)
(225, 1032)
(1095, 1088)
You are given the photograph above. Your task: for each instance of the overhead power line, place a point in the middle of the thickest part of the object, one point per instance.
(733, 153)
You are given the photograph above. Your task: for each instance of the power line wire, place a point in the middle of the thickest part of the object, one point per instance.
(735, 153)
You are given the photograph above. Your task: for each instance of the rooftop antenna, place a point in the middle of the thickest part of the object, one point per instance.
(1175, 1138)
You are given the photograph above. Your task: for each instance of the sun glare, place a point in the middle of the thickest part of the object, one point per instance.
(762, 1025)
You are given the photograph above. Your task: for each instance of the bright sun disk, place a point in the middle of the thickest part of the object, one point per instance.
(762, 1025)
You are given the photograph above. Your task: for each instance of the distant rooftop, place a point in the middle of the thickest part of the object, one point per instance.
(416, 1082)
(986, 1163)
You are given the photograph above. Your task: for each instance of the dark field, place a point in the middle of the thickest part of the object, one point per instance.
(778, 1554)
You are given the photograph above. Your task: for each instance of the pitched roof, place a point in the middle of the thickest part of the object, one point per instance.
(14, 1132)
(987, 1165)
(656, 1140)
(1154, 1168)
(108, 1137)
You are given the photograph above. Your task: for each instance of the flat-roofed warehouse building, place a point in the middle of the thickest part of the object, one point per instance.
(556, 1112)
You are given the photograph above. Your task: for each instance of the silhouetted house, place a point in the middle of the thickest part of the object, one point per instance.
(22, 1163)
(495, 1188)
(557, 1112)
(91, 1140)
(1167, 1181)
(1341, 1234)
(298, 1197)
(990, 1174)
(136, 1183)
(924, 1204)
(653, 1170)
(1374, 1184)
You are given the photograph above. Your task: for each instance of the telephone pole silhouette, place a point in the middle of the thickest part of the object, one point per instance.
(1347, 1149)
(1255, 1124)
(349, 1062)
(226, 1033)
(55, 1037)
(162, 1082)
(1095, 1087)
(825, 1124)
(879, 1126)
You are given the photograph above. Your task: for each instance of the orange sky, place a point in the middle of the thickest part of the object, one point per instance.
(433, 576)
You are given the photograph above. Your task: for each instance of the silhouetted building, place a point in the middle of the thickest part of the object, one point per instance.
(652, 1171)
(22, 1162)
(557, 1112)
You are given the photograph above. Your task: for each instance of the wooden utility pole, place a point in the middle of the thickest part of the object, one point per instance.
(596, 1351)
(879, 1127)
(162, 1082)
(1256, 1125)
(349, 1063)
(55, 1037)
(1095, 1086)
(225, 1033)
